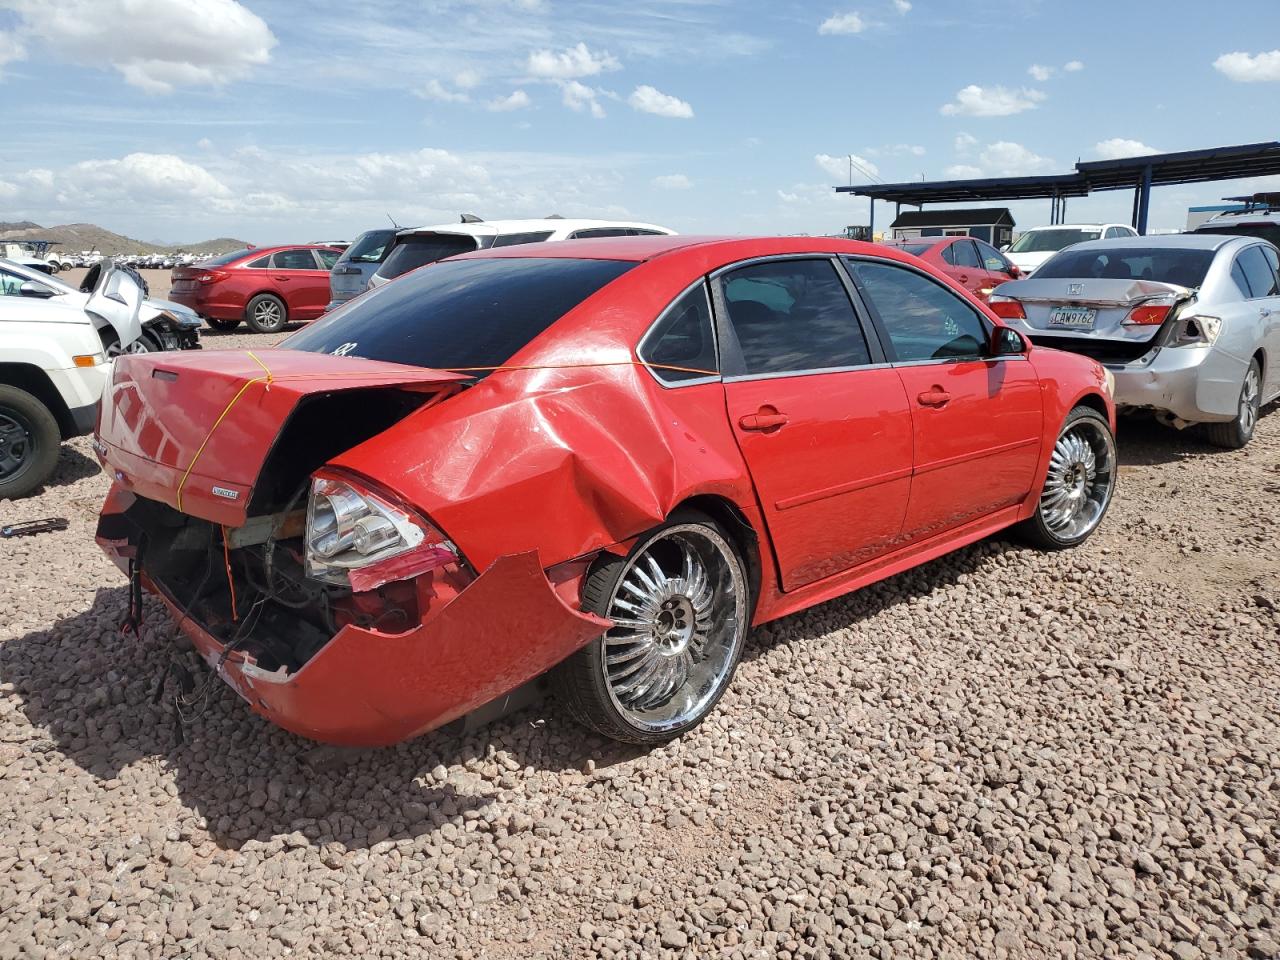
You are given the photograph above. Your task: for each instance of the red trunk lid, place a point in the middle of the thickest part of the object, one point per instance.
(193, 430)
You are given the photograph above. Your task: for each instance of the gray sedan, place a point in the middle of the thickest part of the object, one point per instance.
(1188, 325)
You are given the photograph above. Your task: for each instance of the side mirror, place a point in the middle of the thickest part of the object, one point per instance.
(36, 290)
(1007, 342)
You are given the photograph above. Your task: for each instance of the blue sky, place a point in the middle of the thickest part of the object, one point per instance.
(274, 120)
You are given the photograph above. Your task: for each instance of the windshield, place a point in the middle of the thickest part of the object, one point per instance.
(224, 259)
(1048, 241)
(413, 252)
(1258, 228)
(1186, 268)
(369, 247)
(459, 314)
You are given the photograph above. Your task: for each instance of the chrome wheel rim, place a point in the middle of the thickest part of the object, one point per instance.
(679, 614)
(1249, 400)
(1080, 479)
(267, 313)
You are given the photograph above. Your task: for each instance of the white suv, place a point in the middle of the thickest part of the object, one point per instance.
(419, 246)
(53, 366)
(1038, 244)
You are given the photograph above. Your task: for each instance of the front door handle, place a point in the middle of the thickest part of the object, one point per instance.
(280, 278)
(763, 420)
(934, 397)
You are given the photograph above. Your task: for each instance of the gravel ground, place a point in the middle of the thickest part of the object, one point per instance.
(1002, 753)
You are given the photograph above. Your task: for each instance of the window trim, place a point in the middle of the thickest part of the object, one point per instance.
(733, 366)
(1245, 274)
(657, 322)
(883, 332)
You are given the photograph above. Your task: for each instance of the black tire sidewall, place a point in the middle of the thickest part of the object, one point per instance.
(42, 426)
(222, 326)
(252, 307)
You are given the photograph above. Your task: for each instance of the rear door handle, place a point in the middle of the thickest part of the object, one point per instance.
(934, 397)
(280, 278)
(766, 419)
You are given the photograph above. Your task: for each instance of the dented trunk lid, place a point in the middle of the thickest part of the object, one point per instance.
(194, 430)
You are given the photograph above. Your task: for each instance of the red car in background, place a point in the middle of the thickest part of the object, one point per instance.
(600, 461)
(266, 287)
(974, 264)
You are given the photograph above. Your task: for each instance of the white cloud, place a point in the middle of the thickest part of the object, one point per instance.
(435, 90)
(965, 142)
(1073, 66)
(842, 24)
(204, 143)
(963, 171)
(672, 181)
(578, 97)
(976, 101)
(516, 100)
(466, 79)
(648, 100)
(1005, 159)
(1118, 147)
(787, 197)
(837, 168)
(1040, 73)
(10, 49)
(902, 6)
(156, 45)
(1250, 67)
(576, 61)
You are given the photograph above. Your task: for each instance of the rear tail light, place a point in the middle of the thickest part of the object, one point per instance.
(1150, 314)
(356, 537)
(211, 276)
(1198, 330)
(1006, 308)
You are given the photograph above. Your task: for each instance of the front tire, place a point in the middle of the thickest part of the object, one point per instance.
(29, 440)
(1236, 433)
(681, 605)
(1078, 485)
(266, 314)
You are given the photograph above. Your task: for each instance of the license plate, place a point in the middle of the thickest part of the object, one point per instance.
(183, 284)
(1078, 318)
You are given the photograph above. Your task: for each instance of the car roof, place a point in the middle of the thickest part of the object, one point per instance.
(1075, 226)
(485, 228)
(1175, 241)
(901, 241)
(639, 249)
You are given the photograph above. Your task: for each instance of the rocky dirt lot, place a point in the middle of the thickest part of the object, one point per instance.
(1003, 753)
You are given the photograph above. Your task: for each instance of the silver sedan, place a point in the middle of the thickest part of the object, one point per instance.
(1188, 325)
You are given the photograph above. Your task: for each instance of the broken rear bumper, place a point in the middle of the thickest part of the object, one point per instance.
(1193, 383)
(369, 688)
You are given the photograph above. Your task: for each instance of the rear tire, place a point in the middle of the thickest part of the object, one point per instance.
(1078, 485)
(1236, 433)
(29, 441)
(266, 313)
(681, 603)
(222, 326)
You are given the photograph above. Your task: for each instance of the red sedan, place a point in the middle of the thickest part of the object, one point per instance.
(598, 460)
(266, 287)
(974, 264)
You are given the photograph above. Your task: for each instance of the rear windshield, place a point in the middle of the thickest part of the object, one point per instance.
(1047, 241)
(1186, 268)
(915, 249)
(413, 252)
(224, 259)
(369, 247)
(459, 313)
(1263, 229)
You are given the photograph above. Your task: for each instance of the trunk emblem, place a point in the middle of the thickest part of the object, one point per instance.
(225, 493)
(1075, 289)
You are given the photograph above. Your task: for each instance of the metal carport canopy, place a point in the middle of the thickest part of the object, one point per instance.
(991, 188)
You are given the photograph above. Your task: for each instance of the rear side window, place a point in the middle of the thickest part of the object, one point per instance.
(923, 319)
(601, 232)
(459, 314)
(1265, 230)
(293, 260)
(260, 264)
(413, 252)
(682, 344)
(965, 255)
(1186, 268)
(1258, 273)
(793, 316)
(515, 239)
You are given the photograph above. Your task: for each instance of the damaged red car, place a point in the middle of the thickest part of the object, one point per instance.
(594, 465)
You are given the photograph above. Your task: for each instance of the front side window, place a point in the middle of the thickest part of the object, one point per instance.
(459, 314)
(327, 258)
(515, 239)
(369, 247)
(681, 346)
(992, 259)
(1258, 272)
(793, 316)
(293, 260)
(923, 319)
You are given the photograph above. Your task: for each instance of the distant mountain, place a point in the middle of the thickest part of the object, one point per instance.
(74, 237)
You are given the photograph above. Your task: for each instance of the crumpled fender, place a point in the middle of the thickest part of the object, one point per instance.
(565, 461)
(367, 688)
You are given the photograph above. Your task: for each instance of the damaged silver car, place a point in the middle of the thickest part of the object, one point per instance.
(1188, 325)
